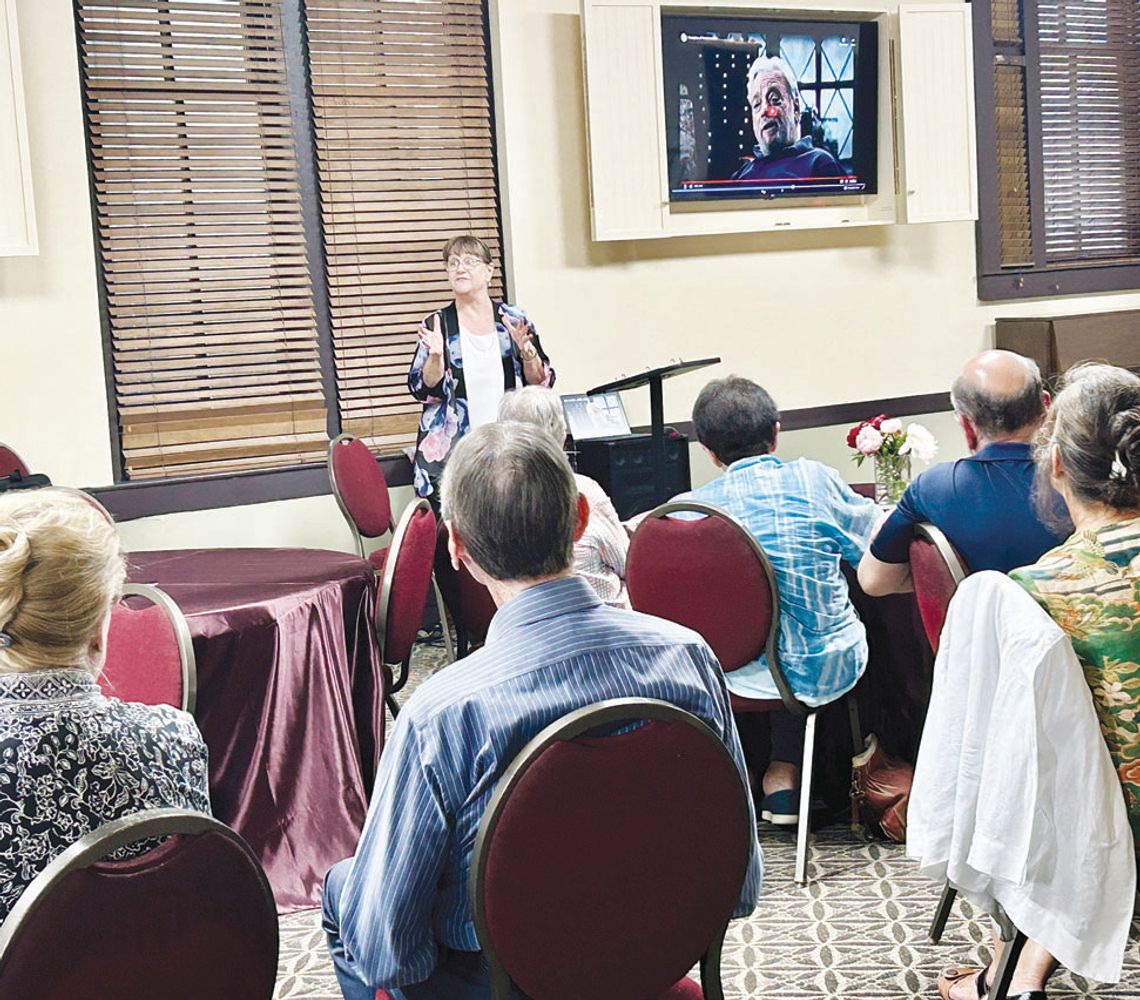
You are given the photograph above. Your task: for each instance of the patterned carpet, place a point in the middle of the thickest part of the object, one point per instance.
(857, 930)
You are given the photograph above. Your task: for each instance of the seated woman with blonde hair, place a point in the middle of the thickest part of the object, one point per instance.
(599, 555)
(71, 759)
(1088, 450)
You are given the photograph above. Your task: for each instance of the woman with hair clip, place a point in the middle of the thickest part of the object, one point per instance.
(71, 759)
(1088, 449)
(468, 355)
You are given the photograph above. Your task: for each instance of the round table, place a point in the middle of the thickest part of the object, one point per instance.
(290, 698)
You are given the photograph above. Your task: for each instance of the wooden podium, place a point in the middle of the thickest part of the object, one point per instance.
(654, 378)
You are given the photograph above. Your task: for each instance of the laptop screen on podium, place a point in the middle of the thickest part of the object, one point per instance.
(598, 416)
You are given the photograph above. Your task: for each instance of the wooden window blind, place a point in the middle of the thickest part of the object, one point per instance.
(405, 159)
(1059, 138)
(201, 245)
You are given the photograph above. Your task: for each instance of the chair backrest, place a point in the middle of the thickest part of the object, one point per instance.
(193, 917)
(359, 486)
(150, 656)
(605, 866)
(936, 569)
(406, 582)
(471, 605)
(11, 462)
(710, 574)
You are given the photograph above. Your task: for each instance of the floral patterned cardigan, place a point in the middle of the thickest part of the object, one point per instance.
(445, 418)
(1090, 585)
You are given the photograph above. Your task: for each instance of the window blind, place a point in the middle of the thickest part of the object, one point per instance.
(405, 160)
(1090, 69)
(1060, 193)
(200, 238)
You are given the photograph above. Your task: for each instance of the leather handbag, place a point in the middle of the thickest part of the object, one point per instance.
(880, 790)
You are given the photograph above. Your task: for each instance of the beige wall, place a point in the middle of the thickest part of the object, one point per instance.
(818, 318)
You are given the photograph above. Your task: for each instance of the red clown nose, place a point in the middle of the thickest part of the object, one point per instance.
(771, 111)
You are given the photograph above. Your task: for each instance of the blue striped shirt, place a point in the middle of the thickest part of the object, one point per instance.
(807, 519)
(551, 649)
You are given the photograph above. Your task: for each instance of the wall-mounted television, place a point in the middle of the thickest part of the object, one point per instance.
(768, 107)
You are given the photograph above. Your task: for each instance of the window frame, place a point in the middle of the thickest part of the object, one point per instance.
(1040, 281)
(128, 499)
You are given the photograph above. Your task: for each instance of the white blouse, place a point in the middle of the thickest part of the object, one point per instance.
(482, 375)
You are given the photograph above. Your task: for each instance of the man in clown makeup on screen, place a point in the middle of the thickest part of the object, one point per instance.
(780, 152)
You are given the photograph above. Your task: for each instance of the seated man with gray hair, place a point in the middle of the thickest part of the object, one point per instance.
(599, 555)
(397, 914)
(983, 503)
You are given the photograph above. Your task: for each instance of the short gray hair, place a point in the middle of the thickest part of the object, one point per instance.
(535, 404)
(769, 64)
(994, 414)
(513, 500)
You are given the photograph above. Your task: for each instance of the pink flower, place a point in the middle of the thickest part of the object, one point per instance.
(892, 425)
(869, 441)
(435, 446)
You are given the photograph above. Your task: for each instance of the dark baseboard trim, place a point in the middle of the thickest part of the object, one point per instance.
(128, 501)
(842, 413)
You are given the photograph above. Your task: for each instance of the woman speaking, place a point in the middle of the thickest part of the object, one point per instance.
(469, 354)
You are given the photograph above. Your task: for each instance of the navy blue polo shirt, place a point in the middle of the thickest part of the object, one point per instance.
(982, 503)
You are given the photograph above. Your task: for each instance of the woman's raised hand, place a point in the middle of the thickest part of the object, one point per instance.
(518, 328)
(432, 338)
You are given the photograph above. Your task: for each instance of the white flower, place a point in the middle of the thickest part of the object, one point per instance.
(892, 425)
(920, 443)
(869, 441)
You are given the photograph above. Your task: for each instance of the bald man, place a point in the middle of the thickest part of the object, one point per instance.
(983, 503)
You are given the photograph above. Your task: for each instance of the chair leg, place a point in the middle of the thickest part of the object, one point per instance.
(402, 679)
(942, 913)
(462, 643)
(856, 729)
(392, 706)
(803, 831)
(446, 629)
(711, 985)
(999, 988)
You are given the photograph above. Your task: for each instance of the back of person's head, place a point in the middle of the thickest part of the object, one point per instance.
(61, 570)
(1000, 393)
(1094, 423)
(535, 404)
(511, 497)
(735, 418)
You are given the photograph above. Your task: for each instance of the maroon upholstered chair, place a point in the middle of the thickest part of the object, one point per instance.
(361, 492)
(11, 463)
(606, 866)
(936, 569)
(150, 657)
(710, 574)
(468, 602)
(403, 593)
(192, 918)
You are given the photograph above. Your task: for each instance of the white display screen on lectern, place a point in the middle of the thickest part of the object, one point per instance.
(597, 416)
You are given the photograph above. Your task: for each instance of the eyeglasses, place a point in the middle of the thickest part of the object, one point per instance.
(468, 263)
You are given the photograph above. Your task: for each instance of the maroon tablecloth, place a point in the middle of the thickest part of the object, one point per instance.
(289, 700)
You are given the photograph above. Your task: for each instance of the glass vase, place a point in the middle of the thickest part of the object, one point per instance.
(892, 476)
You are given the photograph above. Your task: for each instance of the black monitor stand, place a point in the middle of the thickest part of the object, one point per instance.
(653, 378)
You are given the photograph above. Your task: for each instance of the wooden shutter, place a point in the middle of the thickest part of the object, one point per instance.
(200, 237)
(1090, 74)
(405, 160)
(1014, 216)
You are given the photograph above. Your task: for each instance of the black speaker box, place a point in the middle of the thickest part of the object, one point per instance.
(623, 466)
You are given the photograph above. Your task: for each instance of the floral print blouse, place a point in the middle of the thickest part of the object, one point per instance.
(445, 418)
(1090, 585)
(71, 760)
